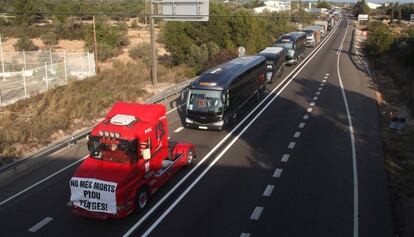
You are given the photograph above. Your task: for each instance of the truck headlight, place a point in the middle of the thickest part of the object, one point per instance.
(188, 120)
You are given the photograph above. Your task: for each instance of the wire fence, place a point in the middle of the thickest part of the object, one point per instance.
(24, 74)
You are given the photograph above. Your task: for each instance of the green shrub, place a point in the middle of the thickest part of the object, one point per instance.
(49, 39)
(25, 44)
(141, 51)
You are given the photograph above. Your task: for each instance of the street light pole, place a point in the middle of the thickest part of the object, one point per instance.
(153, 52)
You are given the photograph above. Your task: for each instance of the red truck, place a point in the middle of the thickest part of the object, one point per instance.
(130, 159)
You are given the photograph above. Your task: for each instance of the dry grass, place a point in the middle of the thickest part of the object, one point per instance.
(35, 122)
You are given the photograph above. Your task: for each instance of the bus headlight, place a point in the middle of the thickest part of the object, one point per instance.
(219, 123)
(188, 120)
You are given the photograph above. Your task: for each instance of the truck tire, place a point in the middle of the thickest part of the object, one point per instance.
(141, 199)
(190, 156)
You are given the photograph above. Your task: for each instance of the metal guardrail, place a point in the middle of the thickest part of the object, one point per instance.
(14, 166)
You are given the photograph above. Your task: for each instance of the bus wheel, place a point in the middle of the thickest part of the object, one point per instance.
(141, 199)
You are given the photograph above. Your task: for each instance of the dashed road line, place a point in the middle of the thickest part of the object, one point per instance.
(318, 93)
(324, 80)
(309, 110)
(315, 98)
(320, 88)
(277, 173)
(322, 84)
(245, 235)
(292, 145)
(296, 135)
(69, 204)
(178, 129)
(327, 74)
(285, 157)
(40, 224)
(268, 190)
(306, 116)
(312, 104)
(301, 125)
(256, 213)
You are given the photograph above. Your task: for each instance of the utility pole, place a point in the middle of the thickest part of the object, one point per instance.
(153, 52)
(95, 43)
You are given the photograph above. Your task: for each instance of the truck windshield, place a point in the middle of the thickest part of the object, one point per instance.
(114, 150)
(205, 101)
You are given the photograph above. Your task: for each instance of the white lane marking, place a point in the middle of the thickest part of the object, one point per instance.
(312, 104)
(186, 191)
(291, 145)
(40, 224)
(256, 213)
(296, 135)
(268, 190)
(301, 125)
(309, 110)
(44, 179)
(320, 88)
(175, 108)
(245, 235)
(285, 157)
(306, 116)
(318, 93)
(322, 84)
(326, 77)
(178, 129)
(323, 81)
(315, 98)
(277, 173)
(352, 137)
(69, 204)
(327, 74)
(41, 181)
(339, 50)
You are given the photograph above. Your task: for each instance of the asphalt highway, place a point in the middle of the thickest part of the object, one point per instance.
(294, 166)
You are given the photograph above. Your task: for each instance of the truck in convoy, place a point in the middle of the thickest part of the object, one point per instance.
(219, 95)
(294, 44)
(313, 35)
(129, 159)
(275, 62)
(324, 27)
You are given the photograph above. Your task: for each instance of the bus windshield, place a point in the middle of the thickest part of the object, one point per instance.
(205, 101)
(286, 45)
(113, 150)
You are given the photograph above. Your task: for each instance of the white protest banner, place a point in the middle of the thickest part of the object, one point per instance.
(93, 194)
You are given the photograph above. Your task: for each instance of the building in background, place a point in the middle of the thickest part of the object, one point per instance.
(274, 6)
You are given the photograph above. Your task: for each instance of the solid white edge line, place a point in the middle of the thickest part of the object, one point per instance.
(296, 71)
(268, 190)
(52, 175)
(257, 212)
(352, 137)
(40, 224)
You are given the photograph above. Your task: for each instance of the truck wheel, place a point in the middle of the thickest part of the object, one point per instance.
(190, 156)
(141, 199)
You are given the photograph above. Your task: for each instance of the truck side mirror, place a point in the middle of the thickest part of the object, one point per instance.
(146, 154)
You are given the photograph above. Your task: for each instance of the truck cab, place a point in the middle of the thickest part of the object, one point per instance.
(129, 159)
